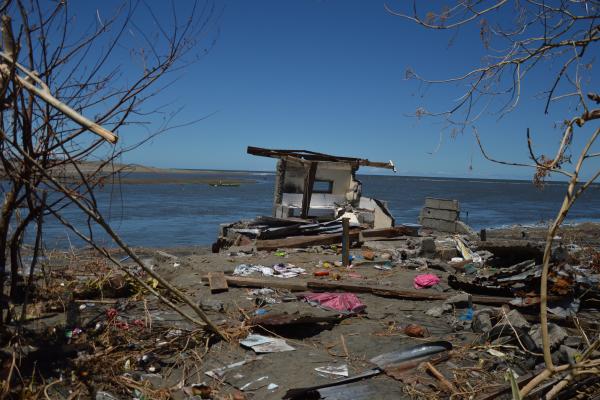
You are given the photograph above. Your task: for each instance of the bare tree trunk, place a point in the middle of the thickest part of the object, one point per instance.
(5, 216)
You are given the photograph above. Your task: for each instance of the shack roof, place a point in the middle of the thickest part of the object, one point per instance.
(314, 156)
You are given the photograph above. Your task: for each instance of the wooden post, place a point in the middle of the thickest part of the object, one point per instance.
(346, 242)
(483, 235)
(279, 184)
(308, 188)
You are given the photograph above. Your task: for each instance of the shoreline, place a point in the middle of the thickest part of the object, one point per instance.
(584, 232)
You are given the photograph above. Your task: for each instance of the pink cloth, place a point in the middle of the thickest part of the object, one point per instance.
(345, 302)
(425, 281)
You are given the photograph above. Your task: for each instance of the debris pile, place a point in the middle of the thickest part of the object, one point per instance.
(428, 316)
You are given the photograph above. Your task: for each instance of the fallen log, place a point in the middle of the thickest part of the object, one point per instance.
(304, 241)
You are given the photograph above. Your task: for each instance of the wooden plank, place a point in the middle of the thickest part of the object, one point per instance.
(401, 294)
(304, 241)
(346, 242)
(387, 232)
(243, 281)
(369, 235)
(217, 282)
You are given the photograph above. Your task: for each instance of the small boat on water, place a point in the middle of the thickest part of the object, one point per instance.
(226, 184)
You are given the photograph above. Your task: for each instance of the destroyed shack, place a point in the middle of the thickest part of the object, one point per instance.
(322, 186)
(313, 192)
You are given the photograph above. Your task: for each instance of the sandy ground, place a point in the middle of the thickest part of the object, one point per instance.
(351, 341)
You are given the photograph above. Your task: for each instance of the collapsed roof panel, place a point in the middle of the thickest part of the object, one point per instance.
(314, 156)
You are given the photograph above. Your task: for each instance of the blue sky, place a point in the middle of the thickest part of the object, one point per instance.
(329, 76)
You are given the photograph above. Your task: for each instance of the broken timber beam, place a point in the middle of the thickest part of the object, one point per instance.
(217, 282)
(242, 281)
(304, 241)
(369, 235)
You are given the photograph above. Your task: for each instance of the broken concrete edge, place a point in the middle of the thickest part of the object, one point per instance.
(442, 204)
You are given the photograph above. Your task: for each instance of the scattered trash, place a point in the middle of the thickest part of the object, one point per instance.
(496, 353)
(383, 267)
(425, 281)
(466, 253)
(467, 315)
(438, 311)
(410, 352)
(219, 373)
(265, 344)
(287, 271)
(249, 384)
(338, 370)
(414, 330)
(343, 302)
(272, 386)
(246, 270)
(198, 389)
(278, 270)
(368, 255)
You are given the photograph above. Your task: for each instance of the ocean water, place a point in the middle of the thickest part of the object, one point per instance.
(179, 214)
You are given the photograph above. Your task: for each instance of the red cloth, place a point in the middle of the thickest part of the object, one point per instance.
(425, 281)
(346, 302)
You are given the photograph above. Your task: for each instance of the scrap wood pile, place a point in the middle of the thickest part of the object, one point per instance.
(495, 304)
(270, 233)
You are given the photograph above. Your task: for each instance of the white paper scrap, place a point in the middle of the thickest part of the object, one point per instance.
(339, 370)
(266, 344)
